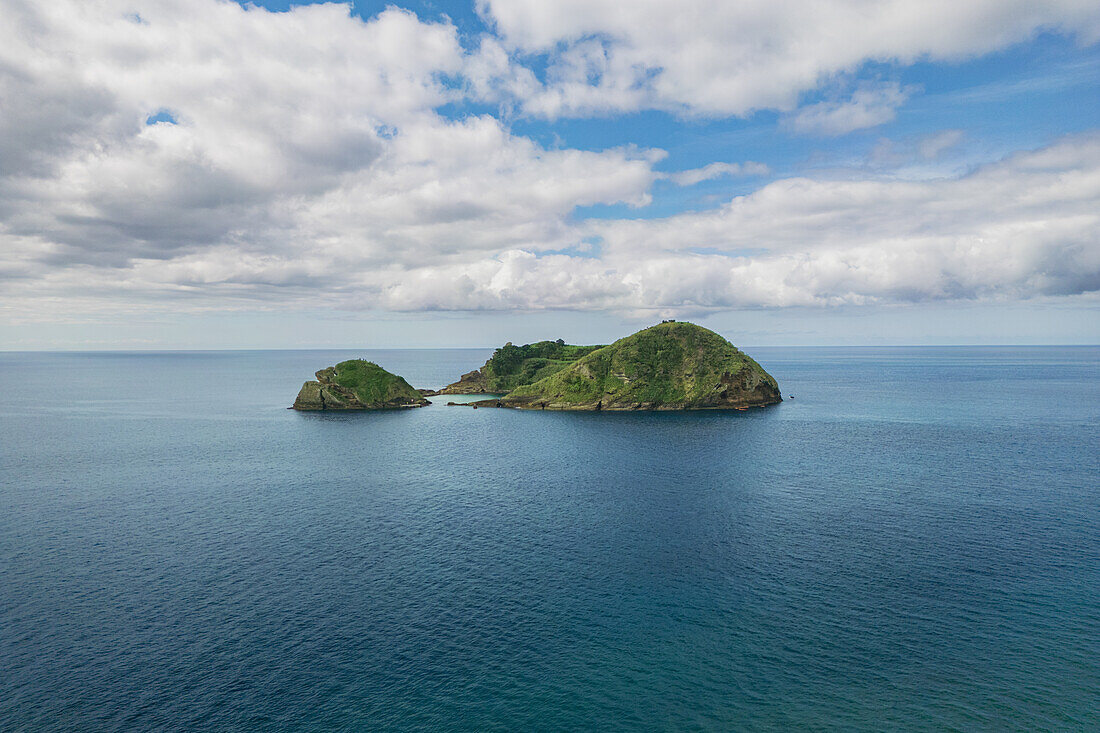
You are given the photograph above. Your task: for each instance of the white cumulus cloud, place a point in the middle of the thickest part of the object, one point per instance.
(202, 155)
(718, 58)
(285, 150)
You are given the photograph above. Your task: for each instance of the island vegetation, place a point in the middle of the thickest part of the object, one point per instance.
(357, 385)
(512, 366)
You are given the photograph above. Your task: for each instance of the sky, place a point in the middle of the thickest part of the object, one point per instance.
(193, 174)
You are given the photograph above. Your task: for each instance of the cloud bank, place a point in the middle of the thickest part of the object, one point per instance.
(200, 155)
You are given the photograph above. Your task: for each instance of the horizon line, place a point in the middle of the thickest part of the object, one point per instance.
(458, 348)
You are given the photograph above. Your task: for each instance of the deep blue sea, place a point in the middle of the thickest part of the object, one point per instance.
(911, 543)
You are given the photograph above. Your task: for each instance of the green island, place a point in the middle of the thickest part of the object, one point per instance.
(670, 366)
(357, 385)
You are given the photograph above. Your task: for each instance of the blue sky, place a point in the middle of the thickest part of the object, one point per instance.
(266, 175)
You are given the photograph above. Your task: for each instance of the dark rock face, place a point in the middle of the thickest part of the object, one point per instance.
(477, 403)
(309, 397)
(469, 383)
(357, 385)
(748, 388)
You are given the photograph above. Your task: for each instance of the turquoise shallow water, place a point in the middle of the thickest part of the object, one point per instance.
(912, 542)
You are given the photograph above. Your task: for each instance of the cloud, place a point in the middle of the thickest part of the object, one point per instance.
(869, 106)
(204, 152)
(1025, 227)
(263, 114)
(209, 156)
(718, 170)
(919, 156)
(698, 57)
(935, 145)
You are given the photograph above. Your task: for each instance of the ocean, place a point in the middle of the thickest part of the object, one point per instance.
(911, 541)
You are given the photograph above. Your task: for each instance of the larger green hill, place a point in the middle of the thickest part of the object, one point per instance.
(670, 366)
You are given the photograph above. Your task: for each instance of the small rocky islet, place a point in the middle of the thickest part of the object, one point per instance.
(670, 366)
(357, 384)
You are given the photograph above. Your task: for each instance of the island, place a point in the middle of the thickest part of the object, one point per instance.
(670, 366)
(357, 385)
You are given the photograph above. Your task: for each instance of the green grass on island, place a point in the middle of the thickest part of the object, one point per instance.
(371, 383)
(512, 366)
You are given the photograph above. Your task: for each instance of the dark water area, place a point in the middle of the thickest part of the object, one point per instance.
(912, 542)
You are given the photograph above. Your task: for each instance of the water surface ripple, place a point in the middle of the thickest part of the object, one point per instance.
(913, 543)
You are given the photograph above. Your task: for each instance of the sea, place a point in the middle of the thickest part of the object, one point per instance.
(910, 541)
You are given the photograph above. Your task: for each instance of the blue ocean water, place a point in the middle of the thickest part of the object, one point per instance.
(912, 542)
